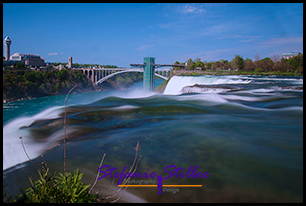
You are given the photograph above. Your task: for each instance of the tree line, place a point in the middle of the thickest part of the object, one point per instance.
(19, 84)
(28, 84)
(268, 64)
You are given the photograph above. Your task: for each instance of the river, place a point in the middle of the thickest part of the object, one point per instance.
(246, 132)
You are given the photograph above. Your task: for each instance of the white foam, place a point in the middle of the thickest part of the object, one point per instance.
(12, 149)
(124, 107)
(189, 89)
(243, 98)
(136, 93)
(204, 98)
(176, 83)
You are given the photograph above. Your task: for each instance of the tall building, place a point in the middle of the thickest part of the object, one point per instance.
(31, 60)
(7, 44)
(28, 60)
(70, 62)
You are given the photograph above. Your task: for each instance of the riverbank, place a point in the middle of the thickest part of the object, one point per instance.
(7, 101)
(23, 85)
(224, 72)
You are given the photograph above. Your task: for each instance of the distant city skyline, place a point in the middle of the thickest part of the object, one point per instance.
(120, 34)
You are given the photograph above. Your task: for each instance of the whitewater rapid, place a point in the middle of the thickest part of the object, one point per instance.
(13, 152)
(190, 84)
(177, 83)
(240, 129)
(211, 90)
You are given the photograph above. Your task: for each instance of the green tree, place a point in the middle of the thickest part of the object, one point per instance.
(189, 62)
(193, 66)
(237, 62)
(176, 68)
(300, 70)
(200, 64)
(296, 62)
(42, 86)
(62, 74)
(20, 65)
(208, 65)
(63, 85)
(248, 65)
(266, 64)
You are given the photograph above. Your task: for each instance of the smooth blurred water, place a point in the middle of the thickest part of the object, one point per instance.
(245, 132)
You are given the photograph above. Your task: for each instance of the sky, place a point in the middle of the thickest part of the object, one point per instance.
(120, 34)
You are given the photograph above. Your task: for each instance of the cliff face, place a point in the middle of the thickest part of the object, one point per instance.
(161, 88)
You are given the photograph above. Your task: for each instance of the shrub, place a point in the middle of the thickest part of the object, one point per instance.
(63, 189)
(257, 70)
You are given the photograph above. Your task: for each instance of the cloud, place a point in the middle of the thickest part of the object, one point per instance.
(215, 29)
(167, 25)
(210, 55)
(245, 38)
(283, 41)
(214, 55)
(248, 40)
(52, 54)
(191, 8)
(144, 47)
(233, 36)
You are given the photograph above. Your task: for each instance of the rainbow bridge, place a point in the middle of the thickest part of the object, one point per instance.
(97, 75)
(101, 74)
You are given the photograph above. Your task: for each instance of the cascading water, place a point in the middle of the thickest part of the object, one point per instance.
(12, 148)
(245, 131)
(177, 83)
(220, 84)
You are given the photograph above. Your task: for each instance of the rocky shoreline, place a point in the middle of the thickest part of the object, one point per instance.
(21, 99)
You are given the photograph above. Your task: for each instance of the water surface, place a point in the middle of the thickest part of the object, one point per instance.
(246, 132)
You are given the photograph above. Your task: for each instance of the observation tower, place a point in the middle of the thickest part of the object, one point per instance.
(7, 44)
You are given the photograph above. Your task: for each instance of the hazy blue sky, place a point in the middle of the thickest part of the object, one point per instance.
(120, 34)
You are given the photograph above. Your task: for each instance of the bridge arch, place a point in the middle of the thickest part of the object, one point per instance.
(119, 72)
(160, 76)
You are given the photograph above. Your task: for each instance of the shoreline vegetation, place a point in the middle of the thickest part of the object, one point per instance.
(273, 66)
(21, 84)
(162, 87)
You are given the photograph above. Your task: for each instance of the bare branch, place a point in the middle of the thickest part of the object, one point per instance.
(119, 196)
(111, 186)
(25, 151)
(125, 181)
(137, 148)
(65, 128)
(97, 173)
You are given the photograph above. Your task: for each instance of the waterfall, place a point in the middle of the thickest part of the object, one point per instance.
(177, 83)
